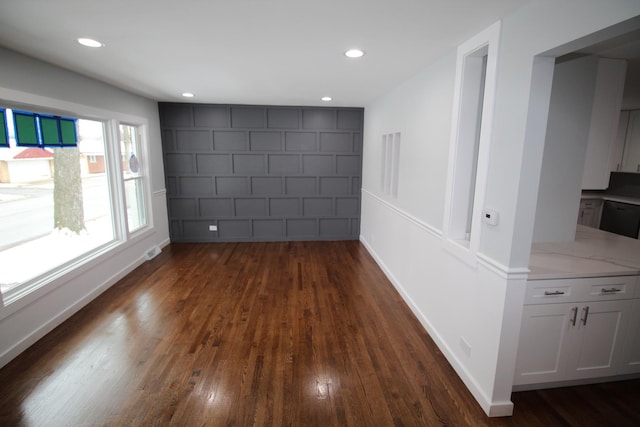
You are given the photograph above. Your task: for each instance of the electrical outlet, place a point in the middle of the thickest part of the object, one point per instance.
(213, 228)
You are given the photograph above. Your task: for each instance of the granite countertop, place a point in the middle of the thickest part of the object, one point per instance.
(593, 253)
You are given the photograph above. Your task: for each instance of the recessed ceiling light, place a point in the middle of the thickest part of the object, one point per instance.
(188, 95)
(354, 53)
(89, 42)
(326, 98)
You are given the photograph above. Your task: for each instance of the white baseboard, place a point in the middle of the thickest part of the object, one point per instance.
(491, 408)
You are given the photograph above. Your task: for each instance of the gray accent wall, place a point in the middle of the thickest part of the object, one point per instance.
(262, 173)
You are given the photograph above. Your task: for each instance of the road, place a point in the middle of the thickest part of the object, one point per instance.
(26, 211)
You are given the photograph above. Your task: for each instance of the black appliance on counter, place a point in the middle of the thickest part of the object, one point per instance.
(620, 218)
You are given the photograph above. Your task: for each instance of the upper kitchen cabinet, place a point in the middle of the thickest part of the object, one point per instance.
(631, 154)
(600, 158)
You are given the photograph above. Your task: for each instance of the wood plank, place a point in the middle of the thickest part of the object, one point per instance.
(288, 333)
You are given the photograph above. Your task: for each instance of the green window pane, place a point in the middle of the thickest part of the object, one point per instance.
(4, 140)
(49, 129)
(26, 133)
(68, 132)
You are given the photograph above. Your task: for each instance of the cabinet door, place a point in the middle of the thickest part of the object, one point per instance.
(587, 216)
(631, 359)
(590, 213)
(631, 155)
(621, 218)
(599, 333)
(545, 341)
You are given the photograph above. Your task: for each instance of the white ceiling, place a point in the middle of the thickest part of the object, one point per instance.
(283, 52)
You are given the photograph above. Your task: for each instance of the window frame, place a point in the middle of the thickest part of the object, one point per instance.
(143, 177)
(458, 197)
(40, 285)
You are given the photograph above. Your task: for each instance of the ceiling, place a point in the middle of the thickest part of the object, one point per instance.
(278, 52)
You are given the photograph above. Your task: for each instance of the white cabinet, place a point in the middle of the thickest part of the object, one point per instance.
(590, 212)
(598, 345)
(576, 329)
(631, 154)
(603, 126)
(542, 352)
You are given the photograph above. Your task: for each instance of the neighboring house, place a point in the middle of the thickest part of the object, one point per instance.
(94, 163)
(91, 156)
(23, 165)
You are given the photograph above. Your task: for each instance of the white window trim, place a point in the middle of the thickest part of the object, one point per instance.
(145, 172)
(46, 282)
(464, 249)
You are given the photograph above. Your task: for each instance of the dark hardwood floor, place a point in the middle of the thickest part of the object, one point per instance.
(283, 334)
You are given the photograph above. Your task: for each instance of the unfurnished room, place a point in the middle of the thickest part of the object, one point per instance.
(337, 213)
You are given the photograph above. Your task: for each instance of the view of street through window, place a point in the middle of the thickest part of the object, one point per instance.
(36, 204)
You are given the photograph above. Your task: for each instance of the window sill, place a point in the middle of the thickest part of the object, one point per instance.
(36, 288)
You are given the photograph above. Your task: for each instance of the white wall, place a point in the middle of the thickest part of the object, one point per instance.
(25, 80)
(425, 99)
(565, 150)
(479, 305)
(452, 299)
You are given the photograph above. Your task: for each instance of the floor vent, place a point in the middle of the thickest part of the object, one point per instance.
(153, 252)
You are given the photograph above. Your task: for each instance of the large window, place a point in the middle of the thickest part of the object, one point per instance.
(57, 206)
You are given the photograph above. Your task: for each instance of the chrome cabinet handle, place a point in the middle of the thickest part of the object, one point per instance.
(585, 314)
(610, 290)
(554, 293)
(574, 315)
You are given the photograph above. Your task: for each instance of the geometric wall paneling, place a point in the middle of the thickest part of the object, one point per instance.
(262, 173)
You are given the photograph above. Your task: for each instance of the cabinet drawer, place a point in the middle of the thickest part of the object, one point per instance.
(611, 288)
(577, 290)
(591, 203)
(552, 291)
